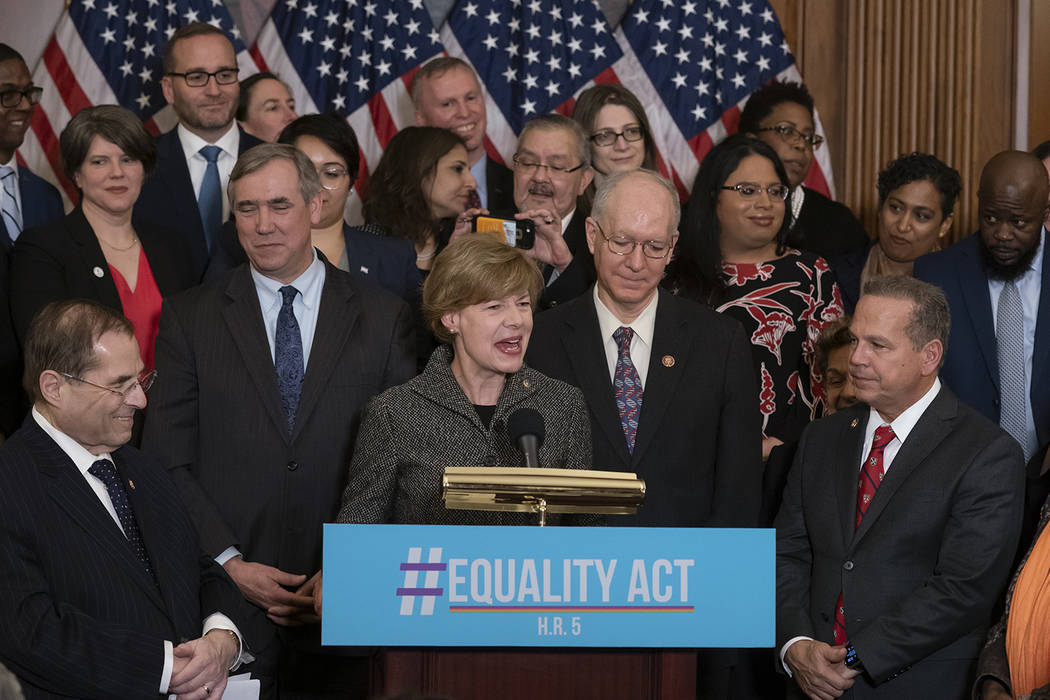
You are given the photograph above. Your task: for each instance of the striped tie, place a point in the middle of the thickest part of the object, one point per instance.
(11, 211)
(1009, 337)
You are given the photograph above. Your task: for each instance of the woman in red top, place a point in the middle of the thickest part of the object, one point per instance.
(99, 251)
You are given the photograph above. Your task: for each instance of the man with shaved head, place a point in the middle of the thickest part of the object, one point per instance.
(998, 358)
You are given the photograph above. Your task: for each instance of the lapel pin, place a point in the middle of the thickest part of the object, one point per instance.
(853, 423)
(131, 483)
(99, 272)
(525, 383)
(668, 360)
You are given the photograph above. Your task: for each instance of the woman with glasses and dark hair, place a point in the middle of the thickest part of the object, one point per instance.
(781, 114)
(100, 251)
(732, 256)
(917, 195)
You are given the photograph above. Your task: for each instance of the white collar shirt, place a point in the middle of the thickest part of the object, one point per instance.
(192, 144)
(641, 344)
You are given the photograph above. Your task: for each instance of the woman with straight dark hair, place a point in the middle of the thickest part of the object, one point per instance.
(732, 255)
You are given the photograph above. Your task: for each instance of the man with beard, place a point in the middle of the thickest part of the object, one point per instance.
(194, 160)
(998, 355)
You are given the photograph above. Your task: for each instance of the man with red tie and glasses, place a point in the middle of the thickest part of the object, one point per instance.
(900, 518)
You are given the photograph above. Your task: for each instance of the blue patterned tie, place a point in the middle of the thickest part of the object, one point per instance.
(1009, 337)
(105, 472)
(288, 356)
(11, 213)
(210, 199)
(628, 386)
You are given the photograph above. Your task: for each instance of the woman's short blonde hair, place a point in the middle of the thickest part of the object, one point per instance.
(474, 269)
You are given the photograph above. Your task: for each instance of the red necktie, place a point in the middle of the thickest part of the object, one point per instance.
(871, 473)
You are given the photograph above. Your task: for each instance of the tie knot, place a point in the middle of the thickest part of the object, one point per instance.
(623, 336)
(211, 153)
(883, 436)
(289, 293)
(104, 470)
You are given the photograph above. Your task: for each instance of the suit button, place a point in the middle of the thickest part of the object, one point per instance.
(292, 466)
(848, 566)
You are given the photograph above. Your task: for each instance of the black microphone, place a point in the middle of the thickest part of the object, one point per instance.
(526, 430)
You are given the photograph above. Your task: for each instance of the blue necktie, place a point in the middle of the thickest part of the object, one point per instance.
(105, 472)
(628, 386)
(288, 356)
(11, 212)
(210, 199)
(1009, 337)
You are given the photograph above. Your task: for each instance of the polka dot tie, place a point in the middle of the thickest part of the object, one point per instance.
(105, 472)
(871, 473)
(628, 386)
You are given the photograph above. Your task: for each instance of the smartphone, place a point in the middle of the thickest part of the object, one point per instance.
(520, 233)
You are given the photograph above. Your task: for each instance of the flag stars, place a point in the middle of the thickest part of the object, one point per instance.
(598, 51)
(306, 36)
(383, 67)
(510, 75)
(641, 16)
(528, 107)
(763, 63)
(767, 15)
(310, 10)
(148, 50)
(345, 50)
(390, 17)
(492, 18)
(740, 56)
(663, 24)
(362, 84)
(342, 76)
(172, 9)
(126, 68)
(699, 113)
(490, 42)
(535, 7)
(143, 101)
(575, 45)
(576, 20)
(660, 48)
(678, 80)
(784, 47)
(552, 88)
(409, 52)
(599, 26)
(129, 43)
(720, 49)
(339, 102)
(370, 9)
(745, 8)
(412, 27)
(150, 25)
(387, 42)
(722, 25)
(738, 81)
(530, 82)
(685, 31)
(574, 70)
(555, 39)
(533, 31)
(191, 16)
(215, 22)
(325, 68)
(108, 36)
(766, 39)
(331, 19)
(145, 76)
(682, 56)
(554, 63)
(743, 32)
(689, 8)
(471, 9)
(532, 56)
(328, 44)
(110, 10)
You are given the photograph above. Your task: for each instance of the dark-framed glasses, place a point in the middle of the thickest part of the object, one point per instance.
(751, 190)
(144, 382)
(332, 176)
(200, 78)
(622, 245)
(13, 98)
(607, 137)
(528, 167)
(791, 135)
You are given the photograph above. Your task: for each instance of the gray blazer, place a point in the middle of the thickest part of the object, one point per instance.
(410, 433)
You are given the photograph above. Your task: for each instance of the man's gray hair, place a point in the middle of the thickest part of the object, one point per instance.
(556, 122)
(931, 317)
(255, 159)
(609, 183)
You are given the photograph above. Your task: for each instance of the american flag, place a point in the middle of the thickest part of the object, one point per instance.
(108, 52)
(354, 57)
(533, 57)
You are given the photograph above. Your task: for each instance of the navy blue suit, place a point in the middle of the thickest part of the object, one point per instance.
(971, 366)
(168, 199)
(41, 203)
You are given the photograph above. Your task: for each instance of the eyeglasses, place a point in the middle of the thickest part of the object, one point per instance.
(144, 382)
(13, 98)
(528, 167)
(607, 137)
(791, 135)
(332, 176)
(622, 245)
(200, 78)
(751, 190)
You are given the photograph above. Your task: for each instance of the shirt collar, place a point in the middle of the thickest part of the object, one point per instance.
(13, 164)
(73, 449)
(192, 144)
(566, 219)
(905, 422)
(644, 326)
(307, 283)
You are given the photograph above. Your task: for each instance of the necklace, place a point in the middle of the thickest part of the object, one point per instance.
(134, 242)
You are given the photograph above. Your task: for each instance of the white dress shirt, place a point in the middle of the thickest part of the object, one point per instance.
(191, 146)
(641, 344)
(83, 461)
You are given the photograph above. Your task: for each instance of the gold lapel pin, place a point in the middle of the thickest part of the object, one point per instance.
(853, 423)
(525, 383)
(668, 360)
(131, 484)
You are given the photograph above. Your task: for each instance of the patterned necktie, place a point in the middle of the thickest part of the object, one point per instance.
(628, 386)
(288, 356)
(105, 472)
(209, 200)
(871, 473)
(1009, 337)
(11, 213)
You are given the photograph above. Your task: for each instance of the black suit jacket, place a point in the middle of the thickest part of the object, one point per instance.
(699, 441)
(41, 204)
(79, 614)
(500, 182)
(826, 227)
(168, 199)
(580, 274)
(216, 417)
(61, 261)
(921, 574)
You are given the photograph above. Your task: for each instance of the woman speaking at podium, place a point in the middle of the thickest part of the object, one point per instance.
(478, 300)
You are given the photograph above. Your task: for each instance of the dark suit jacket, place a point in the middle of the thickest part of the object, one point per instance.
(699, 442)
(216, 418)
(580, 274)
(971, 367)
(826, 227)
(41, 203)
(920, 576)
(500, 185)
(59, 261)
(79, 614)
(168, 199)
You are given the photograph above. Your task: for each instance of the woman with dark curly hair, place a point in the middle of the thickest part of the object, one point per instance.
(732, 255)
(917, 194)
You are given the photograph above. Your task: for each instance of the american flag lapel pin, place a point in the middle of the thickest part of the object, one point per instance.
(131, 483)
(853, 423)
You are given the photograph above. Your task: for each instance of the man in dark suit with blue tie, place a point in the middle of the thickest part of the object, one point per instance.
(26, 201)
(194, 160)
(106, 592)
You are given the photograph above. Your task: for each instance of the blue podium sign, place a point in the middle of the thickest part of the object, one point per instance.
(427, 585)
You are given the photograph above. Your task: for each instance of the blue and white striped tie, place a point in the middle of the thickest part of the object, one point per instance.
(1009, 337)
(11, 211)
